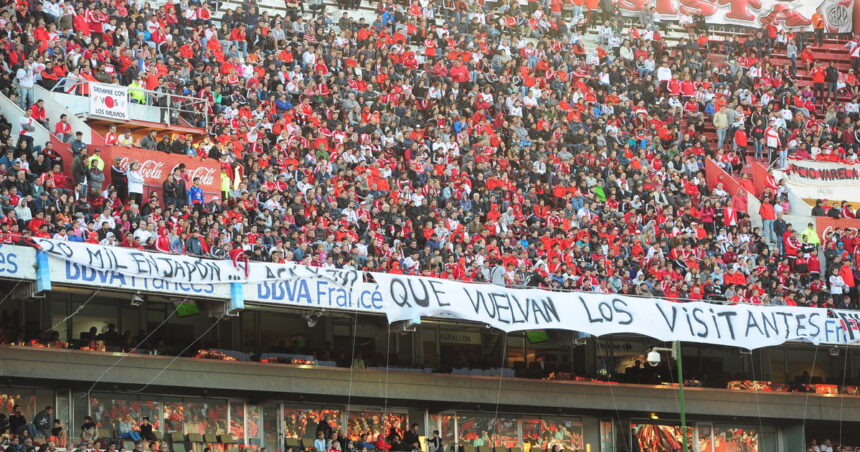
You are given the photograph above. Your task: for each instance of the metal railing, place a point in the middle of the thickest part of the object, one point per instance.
(172, 109)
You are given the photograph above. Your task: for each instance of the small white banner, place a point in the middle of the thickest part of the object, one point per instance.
(109, 101)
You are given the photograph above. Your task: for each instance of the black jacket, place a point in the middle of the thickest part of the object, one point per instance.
(831, 75)
(17, 422)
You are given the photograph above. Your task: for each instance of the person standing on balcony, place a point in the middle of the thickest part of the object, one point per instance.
(196, 194)
(78, 144)
(136, 92)
(95, 178)
(767, 217)
(772, 140)
(79, 172)
(721, 123)
(26, 79)
(837, 288)
(28, 126)
(181, 188)
(791, 54)
(135, 184)
(17, 421)
(818, 23)
(118, 179)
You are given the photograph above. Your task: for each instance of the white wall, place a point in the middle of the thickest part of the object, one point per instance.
(753, 206)
(56, 105)
(13, 113)
(144, 112)
(798, 205)
(74, 104)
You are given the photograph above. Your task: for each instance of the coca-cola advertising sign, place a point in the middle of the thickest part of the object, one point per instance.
(155, 166)
(155, 170)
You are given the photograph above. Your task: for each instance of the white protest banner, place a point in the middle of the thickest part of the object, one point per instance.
(314, 293)
(184, 269)
(109, 101)
(746, 326)
(70, 272)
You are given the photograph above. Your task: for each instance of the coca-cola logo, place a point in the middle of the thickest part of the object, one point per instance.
(149, 169)
(206, 175)
(155, 170)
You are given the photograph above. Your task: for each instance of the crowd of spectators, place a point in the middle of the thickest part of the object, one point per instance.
(461, 139)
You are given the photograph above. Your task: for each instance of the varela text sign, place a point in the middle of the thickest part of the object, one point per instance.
(746, 326)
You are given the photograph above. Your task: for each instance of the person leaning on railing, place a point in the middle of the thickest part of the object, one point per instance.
(136, 92)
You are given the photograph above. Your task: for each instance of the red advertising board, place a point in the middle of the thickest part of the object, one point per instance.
(155, 166)
(827, 224)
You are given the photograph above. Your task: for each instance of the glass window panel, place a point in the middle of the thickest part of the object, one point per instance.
(445, 424)
(254, 422)
(225, 333)
(56, 313)
(659, 437)
(174, 416)
(769, 438)
(283, 333)
(607, 436)
(63, 413)
(44, 398)
(205, 416)
(152, 410)
(98, 316)
(249, 332)
(130, 323)
(25, 398)
(302, 422)
(237, 420)
(486, 430)
(270, 426)
(705, 440)
(532, 434)
(375, 423)
(109, 410)
(736, 438)
(564, 432)
(81, 406)
(449, 422)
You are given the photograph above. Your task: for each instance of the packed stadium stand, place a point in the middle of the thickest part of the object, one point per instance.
(313, 153)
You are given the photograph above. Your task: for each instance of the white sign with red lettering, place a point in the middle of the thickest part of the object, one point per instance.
(109, 101)
(797, 15)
